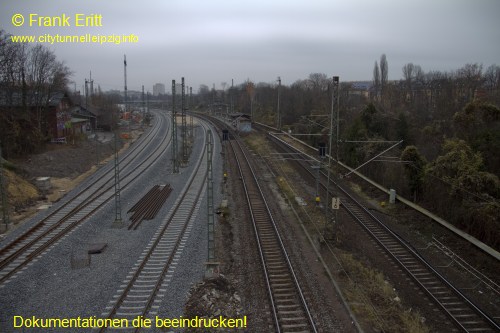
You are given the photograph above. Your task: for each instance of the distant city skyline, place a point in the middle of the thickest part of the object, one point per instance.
(158, 89)
(211, 42)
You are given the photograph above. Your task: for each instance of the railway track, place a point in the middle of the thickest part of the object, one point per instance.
(16, 255)
(144, 288)
(461, 311)
(289, 308)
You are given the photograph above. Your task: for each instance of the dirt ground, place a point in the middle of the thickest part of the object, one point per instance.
(390, 291)
(69, 164)
(66, 165)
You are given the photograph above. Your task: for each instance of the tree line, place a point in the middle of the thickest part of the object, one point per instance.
(29, 76)
(449, 123)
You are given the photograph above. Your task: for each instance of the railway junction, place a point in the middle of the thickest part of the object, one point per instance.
(212, 233)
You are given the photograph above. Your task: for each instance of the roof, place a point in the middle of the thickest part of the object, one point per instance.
(80, 111)
(362, 85)
(239, 115)
(56, 98)
(78, 120)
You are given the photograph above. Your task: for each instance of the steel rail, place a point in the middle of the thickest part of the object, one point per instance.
(58, 226)
(255, 198)
(179, 206)
(103, 172)
(386, 238)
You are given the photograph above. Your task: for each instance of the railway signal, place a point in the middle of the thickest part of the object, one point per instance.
(335, 203)
(322, 149)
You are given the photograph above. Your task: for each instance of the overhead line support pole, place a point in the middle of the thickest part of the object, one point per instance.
(191, 117)
(335, 85)
(212, 267)
(118, 223)
(175, 163)
(279, 114)
(183, 123)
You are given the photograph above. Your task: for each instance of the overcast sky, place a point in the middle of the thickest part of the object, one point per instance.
(214, 41)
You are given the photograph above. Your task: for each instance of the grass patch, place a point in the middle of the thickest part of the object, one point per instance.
(256, 142)
(371, 297)
(19, 191)
(374, 299)
(225, 212)
(285, 189)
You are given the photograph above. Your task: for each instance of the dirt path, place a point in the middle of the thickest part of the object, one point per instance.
(67, 165)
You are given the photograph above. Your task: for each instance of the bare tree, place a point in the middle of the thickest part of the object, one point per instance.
(12, 64)
(39, 71)
(376, 79)
(413, 75)
(408, 72)
(408, 75)
(384, 74)
(492, 78)
(250, 88)
(319, 81)
(31, 74)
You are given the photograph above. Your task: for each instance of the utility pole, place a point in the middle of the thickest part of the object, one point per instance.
(5, 203)
(232, 107)
(96, 137)
(335, 93)
(175, 163)
(279, 115)
(212, 267)
(147, 104)
(143, 107)
(91, 85)
(87, 108)
(322, 154)
(118, 223)
(125, 76)
(338, 123)
(183, 123)
(86, 94)
(191, 116)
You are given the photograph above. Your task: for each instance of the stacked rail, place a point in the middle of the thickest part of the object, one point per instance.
(16, 255)
(149, 205)
(144, 288)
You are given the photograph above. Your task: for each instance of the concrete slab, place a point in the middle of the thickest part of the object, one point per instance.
(96, 248)
(300, 201)
(80, 259)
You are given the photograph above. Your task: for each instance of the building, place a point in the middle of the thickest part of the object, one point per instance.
(58, 116)
(242, 122)
(83, 121)
(158, 89)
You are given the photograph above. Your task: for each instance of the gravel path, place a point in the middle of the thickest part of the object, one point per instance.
(50, 288)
